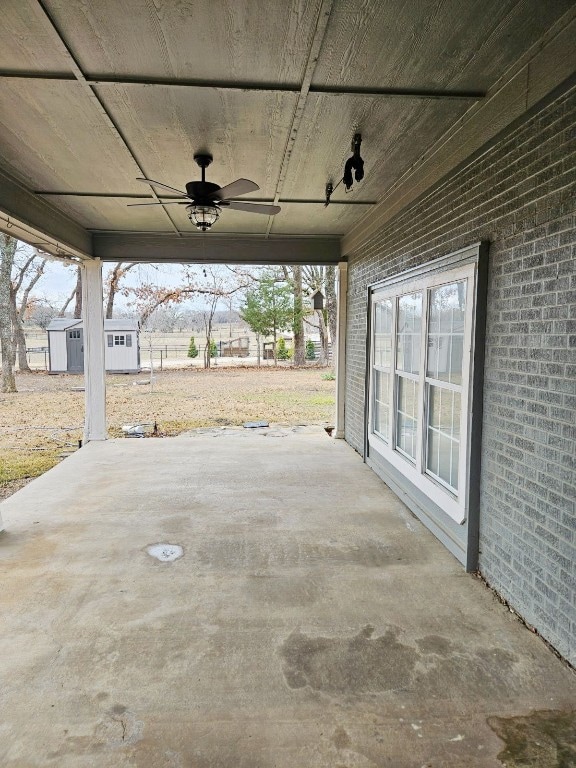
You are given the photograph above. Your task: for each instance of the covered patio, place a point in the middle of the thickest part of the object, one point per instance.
(310, 620)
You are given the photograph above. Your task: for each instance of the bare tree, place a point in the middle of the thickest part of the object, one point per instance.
(113, 285)
(315, 280)
(218, 286)
(293, 276)
(331, 304)
(78, 295)
(8, 247)
(299, 346)
(146, 298)
(41, 312)
(66, 304)
(27, 275)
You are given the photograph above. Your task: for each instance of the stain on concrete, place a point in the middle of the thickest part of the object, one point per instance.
(283, 591)
(166, 553)
(434, 644)
(360, 664)
(340, 738)
(239, 553)
(493, 672)
(542, 739)
(369, 664)
(119, 728)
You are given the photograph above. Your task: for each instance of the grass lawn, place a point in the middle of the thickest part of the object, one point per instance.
(45, 417)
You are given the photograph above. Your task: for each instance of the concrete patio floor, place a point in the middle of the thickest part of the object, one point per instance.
(311, 621)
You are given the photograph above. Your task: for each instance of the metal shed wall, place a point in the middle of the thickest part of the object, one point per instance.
(57, 357)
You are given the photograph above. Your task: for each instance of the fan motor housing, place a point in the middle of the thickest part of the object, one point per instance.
(201, 190)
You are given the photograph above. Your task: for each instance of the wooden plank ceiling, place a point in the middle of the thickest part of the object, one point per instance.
(93, 95)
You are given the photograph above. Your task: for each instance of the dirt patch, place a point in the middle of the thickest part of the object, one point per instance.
(10, 487)
(545, 739)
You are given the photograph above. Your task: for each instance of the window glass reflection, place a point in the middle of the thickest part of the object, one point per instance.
(408, 333)
(383, 333)
(381, 404)
(443, 442)
(406, 416)
(446, 332)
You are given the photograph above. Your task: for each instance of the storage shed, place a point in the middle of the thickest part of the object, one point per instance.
(66, 346)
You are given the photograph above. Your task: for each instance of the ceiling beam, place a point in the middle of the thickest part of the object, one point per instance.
(171, 198)
(312, 61)
(227, 85)
(90, 92)
(216, 249)
(402, 93)
(28, 217)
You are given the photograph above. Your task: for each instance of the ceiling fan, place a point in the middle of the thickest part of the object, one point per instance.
(205, 200)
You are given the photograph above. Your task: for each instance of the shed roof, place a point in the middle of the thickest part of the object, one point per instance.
(120, 324)
(63, 323)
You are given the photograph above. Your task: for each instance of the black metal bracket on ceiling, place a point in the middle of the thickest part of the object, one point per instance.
(354, 163)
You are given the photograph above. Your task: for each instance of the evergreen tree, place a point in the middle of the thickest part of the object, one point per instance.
(269, 308)
(192, 349)
(282, 352)
(310, 350)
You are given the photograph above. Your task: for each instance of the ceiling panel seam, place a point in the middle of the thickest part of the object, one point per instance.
(218, 85)
(311, 62)
(93, 96)
(134, 196)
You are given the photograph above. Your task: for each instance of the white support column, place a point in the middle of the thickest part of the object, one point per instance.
(94, 367)
(341, 348)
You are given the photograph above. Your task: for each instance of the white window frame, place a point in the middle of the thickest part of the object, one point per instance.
(119, 340)
(453, 503)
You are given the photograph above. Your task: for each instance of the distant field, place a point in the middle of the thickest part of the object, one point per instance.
(45, 418)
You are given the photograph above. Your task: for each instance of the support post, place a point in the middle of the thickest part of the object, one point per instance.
(94, 364)
(341, 348)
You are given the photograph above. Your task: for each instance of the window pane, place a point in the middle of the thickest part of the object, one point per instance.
(406, 416)
(382, 333)
(408, 334)
(446, 332)
(381, 403)
(443, 442)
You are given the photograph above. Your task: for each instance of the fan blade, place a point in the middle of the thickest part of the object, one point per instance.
(166, 202)
(164, 186)
(268, 210)
(238, 187)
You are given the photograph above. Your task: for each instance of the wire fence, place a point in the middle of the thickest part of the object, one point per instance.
(168, 353)
(159, 356)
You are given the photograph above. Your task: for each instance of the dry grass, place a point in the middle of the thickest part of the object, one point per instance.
(46, 416)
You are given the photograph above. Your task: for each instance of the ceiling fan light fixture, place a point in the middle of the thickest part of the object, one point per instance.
(203, 216)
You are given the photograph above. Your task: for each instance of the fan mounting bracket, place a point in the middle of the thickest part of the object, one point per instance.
(203, 160)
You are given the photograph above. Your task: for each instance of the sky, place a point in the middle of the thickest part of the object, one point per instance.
(59, 280)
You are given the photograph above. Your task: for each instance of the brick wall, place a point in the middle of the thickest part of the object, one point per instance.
(520, 195)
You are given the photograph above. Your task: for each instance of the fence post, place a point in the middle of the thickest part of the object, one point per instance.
(161, 359)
